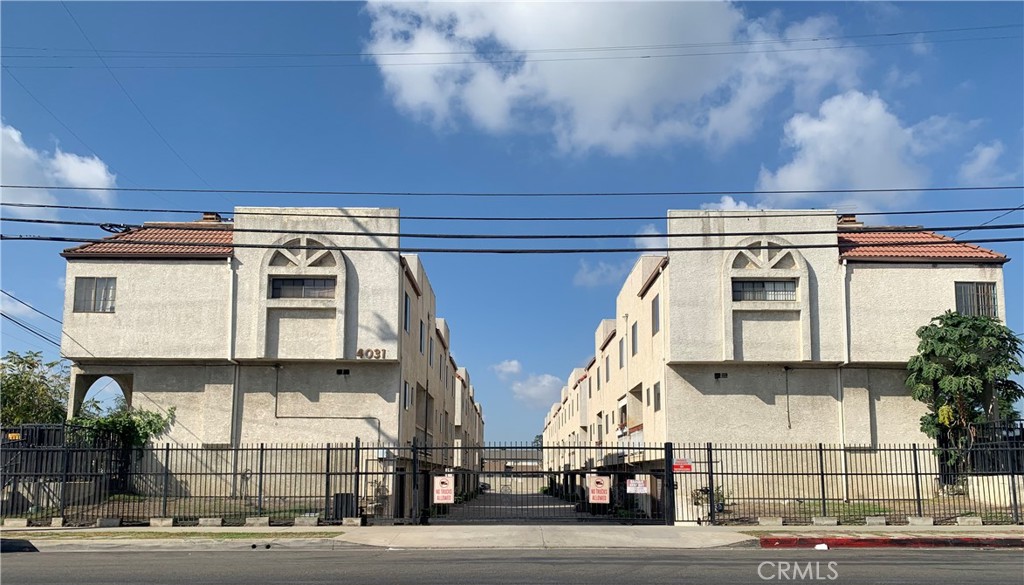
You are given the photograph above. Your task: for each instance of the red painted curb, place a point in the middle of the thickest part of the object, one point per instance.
(897, 542)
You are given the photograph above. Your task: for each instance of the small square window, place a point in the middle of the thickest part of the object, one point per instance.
(977, 299)
(95, 295)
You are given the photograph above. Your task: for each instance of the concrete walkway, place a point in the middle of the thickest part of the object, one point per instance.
(511, 537)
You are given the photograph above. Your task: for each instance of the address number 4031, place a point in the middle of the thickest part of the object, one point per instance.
(372, 354)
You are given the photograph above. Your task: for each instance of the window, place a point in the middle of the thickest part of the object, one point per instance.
(406, 397)
(764, 290)
(657, 396)
(430, 356)
(622, 352)
(408, 310)
(422, 332)
(635, 341)
(590, 388)
(655, 315)
(95, 295)
(607, 368)
(648, 397)
(598, 379)
(302, 288)
(976, 299)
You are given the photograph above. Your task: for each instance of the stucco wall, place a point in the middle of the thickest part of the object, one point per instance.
(889, 302)
(162, 309)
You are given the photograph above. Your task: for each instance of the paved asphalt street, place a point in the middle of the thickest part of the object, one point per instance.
(563, 567)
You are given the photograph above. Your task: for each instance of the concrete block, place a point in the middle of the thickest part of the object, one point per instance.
(874, 520)
(108, 522)
(257, 521)
(920, 521)
(57, 522)
(211, 522)
(307, 521)
(351, 521)
(825, 521)
(15, 522)
(161, 521)
(968, 521)
(769, 520)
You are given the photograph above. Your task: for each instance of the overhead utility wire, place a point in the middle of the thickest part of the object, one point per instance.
(508, 61)
(131, 99)
(727, 214)
(144, 53)
(874, 229)
(479, 194)
(413, 250)
(1000, 216)
(30, 329)
(51, 318)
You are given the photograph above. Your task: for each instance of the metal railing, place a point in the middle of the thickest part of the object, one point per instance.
(627, 482)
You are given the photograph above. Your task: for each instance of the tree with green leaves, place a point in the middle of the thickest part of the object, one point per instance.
(962, 372)
(34, 391)
(133, 426)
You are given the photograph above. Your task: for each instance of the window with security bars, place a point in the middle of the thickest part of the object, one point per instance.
(302, 288)
(977, 299)
(764, 290)
(95, 295)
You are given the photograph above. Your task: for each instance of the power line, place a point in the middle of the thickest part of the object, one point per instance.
(143, 53)
(131, 99)
(30, 329)
(1000, 216)
(522, 194)
(504, 61)
(417, 250)
(726, 214)
(52, 318)
(877, 229)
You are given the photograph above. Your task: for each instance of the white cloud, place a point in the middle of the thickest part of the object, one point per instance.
(24, 165)
(650, 237)
(920, 46)
(854, 142)
(982, 166)
(896, 78)
(538, 391)
(727, 203)
(600, 273)
(609, 104)
(507, 368)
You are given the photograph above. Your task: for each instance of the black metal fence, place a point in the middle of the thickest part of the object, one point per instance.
(81, 482)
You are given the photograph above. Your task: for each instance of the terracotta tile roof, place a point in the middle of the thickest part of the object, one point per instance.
(156, 241)
(883, 245)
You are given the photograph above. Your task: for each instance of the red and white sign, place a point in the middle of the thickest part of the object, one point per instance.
(682, 466)
(444, 489)
(600, 489)
(636, 486)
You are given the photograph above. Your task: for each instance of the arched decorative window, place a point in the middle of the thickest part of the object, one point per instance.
(303, 252)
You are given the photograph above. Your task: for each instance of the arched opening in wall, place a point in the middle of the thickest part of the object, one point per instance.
(105, 395)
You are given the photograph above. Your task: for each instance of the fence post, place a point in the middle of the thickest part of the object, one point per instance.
(917, 482)
(415, 479)
(1014, 501)
(167, 476)
(358, 479)
(63, 479)
(669, 496)
(327, 485)
(711, 485)
(821, 478)
(259, 484)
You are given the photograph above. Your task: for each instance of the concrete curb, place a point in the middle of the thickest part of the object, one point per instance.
(178, 545)
(891, 542)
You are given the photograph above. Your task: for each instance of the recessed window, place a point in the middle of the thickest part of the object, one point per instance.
(95, 295)
(607, 368)
(655, 314)
(406, 396)
(622, 352)
(422, 336)
(977, 299)
(598, 379)
(408, 310)
(430, 356)
(635, 341)
(302, 288)
(657, 396)
(764, 290)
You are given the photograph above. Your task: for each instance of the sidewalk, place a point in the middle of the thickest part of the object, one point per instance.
(507, 537)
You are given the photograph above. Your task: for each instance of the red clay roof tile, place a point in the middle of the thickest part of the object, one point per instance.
(215, 242)
(872, 246)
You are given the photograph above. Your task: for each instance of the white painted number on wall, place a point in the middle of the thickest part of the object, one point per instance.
(372, 354)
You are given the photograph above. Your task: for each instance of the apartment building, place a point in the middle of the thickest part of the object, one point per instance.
(272, 329)
(755, 338)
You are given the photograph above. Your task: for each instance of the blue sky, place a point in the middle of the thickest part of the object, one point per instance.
(912, 110)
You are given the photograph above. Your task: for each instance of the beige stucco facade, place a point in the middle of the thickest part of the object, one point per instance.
(240, 364)
(822, 361)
